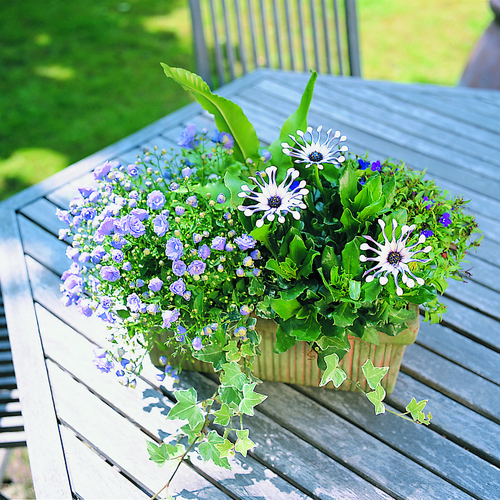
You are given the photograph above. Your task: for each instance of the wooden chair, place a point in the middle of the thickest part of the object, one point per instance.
(11, 421)
(233, 37)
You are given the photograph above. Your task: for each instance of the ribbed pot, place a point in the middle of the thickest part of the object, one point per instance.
(298, 365)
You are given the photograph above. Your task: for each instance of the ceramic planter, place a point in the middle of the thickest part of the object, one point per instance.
(298, 365)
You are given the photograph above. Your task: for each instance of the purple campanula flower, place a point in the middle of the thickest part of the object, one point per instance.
(266, 155)
(174, 249)
(84, 257)
(160, 377)
(74, 268)
(156, 200)
(192, 201)
(139, 283)
(431, 202)
(106, 302)
(86, 191)
(197, 344)
(196, 268)
(109, 273)
(95, 196)
(245, 242)
(107, 226)
(169, 317)
(174, 186)
(88, 213)
(103, 364)
(221, 198)
(220, 268)
(72, 253)
(187, 172)
(118, 242)
(140, 213)
(132, 170)
(122, 225)
(187, 295)
(152, 309)
(133, 195)
(197, 237)
(178, 287)
(204, 252)
(77, 220)
(218, 243)
(63, 216)
(229, 247)
(84, 307)
(127, 266)
(102, 170)
(247, 261)
(160, 225)
(132, 203)
(117, 255)
(179, 211)
(137, 228)
(134, 302)
(445, 219)
(223, 138)
(187, 137)
(227, 215)
(245, 310)
(179, 267)
(63, 234)
(73, 284)
(155, 284)
(240, 272)
(256, 272)
(256, 255)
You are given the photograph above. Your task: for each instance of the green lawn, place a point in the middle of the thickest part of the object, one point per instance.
(78, 76)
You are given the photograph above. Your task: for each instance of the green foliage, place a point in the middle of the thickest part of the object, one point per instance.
(333, 372)
(187, 408)
(250, 399)
(373, 374)
(376, 397)
(209, 450)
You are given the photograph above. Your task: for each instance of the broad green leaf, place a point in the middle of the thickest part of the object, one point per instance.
(348, 187)
(223, 415)
(297, 249)
(175, 450)
(250, 399)
(350, 257)
(389, 191)
(231, 396)
(284, 339)
(328, 260)
(226, 448)
(376, 397)
(371, 210)
(208, 450)
(340, 342)
(186, 408)
(306, 266)
(354, 289)
(233, 184)
(233, 376)
(296, 121)
(307, 329)
(232, 352)
(229, 117)
(211, 353)
(333, 372)
(350, 223)
(287, 269)
(417, 409)
(370, 334)
(285, 309)
(243, 444)
(157, 454)
(344, 315)
(374, 374)
(192, 434)
(294, 292)
(371, 290)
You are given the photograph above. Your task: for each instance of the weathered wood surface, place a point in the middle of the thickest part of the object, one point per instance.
(312, 443)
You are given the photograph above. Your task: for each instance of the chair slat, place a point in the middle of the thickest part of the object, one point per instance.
(229, 42)
(300, 16)
(337, 37)
(217, 46)
(264, 32)
(277, 30)
(252, 33)
(241, 47)
(326, 34)
(289, 36)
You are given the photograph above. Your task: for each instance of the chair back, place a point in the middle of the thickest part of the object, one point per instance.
(233, 37)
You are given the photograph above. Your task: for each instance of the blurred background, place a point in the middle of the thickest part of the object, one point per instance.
(76, 77)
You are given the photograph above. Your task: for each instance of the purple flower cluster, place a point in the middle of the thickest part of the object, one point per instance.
(445, 219)
(365, 164)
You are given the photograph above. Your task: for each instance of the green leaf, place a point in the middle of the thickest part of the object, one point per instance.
(344, 315)
(231, 396)
(328, 260)
(232, 351)
(374, 374)
(376, 397)
(175, 450)
(348, 186)
(297, 249)
(186, 408)
(211, 353)
(307, 329)
(233, 183)
(287, 269)
(354, 289)
(223, 415)
(417, 409)
(306, 266)
(370, 334)
(233, 376)
(157, 454)
(371, 210)
(350, 223)
(229, 117)
(371, 290)
(250, 399)
(284, 339)
(389, 191)
(285, 309)
(294, 292)
(123, 313)
(243, 444)
(208, 450)
(296, 121)
(226, 448)
(192, 434)
(333, 372)
(350, 257)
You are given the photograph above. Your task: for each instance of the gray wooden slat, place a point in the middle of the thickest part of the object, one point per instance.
(461, 350)
(92, 477)
(13, 440)
(228, 42)
(125, 447)
(337, 37)
(352, 37)
(277, 34)
(451, 419)
(463, 469)
(482, 272)
(456, 382)
(386, 468)
(472, 323)
(11, 423)
(50, 479)
(12, 408)
(62, 196)
(43, 213)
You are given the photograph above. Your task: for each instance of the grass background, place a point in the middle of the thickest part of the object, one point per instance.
(78, 76)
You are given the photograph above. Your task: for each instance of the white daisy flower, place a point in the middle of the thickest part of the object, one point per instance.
(272, 199)
(313, 151)
(394, 256)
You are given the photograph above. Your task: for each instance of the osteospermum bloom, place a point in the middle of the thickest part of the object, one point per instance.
(394, 256)
(273, 199)
(314, 152)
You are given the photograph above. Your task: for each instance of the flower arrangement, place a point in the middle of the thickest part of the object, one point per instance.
(188, 253)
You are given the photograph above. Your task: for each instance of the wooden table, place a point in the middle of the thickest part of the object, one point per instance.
(86, 434)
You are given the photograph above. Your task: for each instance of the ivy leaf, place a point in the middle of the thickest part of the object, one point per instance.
(373, 374)
(344, 315)
(229, 117)
(211, 354)
(208, 450)
(232, 351)
(175, 450)
(192, 434)
(186, 408)
(231, 396)
(250, 399)
(223, 415)
(157, 454)
(417, 411)
(376, 397)
(333, 372)
(226, 448)
(243, 444)
(233, 376)
(285, 309)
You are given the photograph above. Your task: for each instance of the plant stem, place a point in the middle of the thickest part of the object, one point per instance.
(318, 183)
